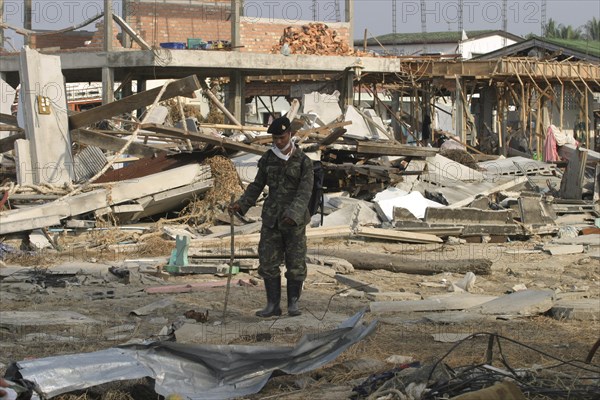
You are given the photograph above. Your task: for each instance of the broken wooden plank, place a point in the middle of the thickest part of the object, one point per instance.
(108, 142)
(568, 151)
(11, 128)
(356, 284)
(253, 239)
(494, 189)
(399, 236)
(408, 265)
(8, 143)
(438, 303)
(182, 87)
(131, 32)
(8, 119)
(333, 136)
(394, 149)
(200, 137)
(119, 192)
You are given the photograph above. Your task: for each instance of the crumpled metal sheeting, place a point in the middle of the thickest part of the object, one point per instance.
(193, 371)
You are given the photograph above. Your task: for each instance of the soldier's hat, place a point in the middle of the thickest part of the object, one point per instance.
(279, 126)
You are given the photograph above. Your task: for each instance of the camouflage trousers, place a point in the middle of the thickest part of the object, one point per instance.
(282, 243)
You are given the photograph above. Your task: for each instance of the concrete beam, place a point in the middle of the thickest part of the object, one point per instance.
(236, 13)
(349, 13)
(26, 19)
(235, 96)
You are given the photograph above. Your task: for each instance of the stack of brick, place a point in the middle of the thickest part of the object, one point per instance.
(314, 38)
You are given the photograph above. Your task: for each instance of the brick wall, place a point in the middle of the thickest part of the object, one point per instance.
(259, 35)
(178, 20)
(65, 40)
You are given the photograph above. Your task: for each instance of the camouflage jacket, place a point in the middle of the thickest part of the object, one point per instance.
(290, 188)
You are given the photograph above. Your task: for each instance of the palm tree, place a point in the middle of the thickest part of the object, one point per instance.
(568, 32)
(560, 31)
(551, 29)
(592, 29)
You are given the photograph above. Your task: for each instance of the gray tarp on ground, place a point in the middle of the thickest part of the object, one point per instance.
(193, 371)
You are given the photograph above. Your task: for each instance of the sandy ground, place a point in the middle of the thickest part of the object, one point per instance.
(325, 303)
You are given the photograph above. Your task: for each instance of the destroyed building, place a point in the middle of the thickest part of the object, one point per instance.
(461, 198)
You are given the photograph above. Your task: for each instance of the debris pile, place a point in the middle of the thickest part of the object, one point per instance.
(315, 38)
(438, 237)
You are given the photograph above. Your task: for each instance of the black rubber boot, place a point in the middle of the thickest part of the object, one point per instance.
(294, 290)
(273, 288)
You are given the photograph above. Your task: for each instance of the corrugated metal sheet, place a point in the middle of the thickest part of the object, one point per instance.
(88, 163)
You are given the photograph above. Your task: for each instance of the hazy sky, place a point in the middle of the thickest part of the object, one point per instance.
(524, 16)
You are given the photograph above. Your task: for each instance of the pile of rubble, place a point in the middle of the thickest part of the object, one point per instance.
(315, 38)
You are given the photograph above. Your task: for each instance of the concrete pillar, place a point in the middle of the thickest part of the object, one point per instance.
(459, 115)
(486, 117)
(236, 13)
(1, 19)
(235, 96)
(27, 20)
(347, 89)
(395, 124)
(141, 87)
(108, 76)
(125, 39)
(43, 110)
(349, 11)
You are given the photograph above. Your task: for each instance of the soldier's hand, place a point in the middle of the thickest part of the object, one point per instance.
(234, 208)
(288, 221)
(3, 383)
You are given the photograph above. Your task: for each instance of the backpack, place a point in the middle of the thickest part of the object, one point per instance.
(317, 198)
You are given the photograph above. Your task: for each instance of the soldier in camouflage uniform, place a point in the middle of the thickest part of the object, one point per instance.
(288, 173)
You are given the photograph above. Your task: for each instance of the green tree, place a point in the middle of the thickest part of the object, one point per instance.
(560, 31)
(592, 29)
(551, 29)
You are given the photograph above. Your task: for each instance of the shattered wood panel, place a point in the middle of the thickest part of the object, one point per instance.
(8, 143)
(203, 138)
(181, 87)
(393, 149)
(400, 236)
(173, 199)
(119, 192)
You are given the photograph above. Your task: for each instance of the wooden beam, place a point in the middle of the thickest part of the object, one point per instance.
(200, 137)
(333, 136)
(394, 149)
(8, 144)
(235, 127)
(8, 119)
(399, 236)
(108, 142)
(133, 34)
(182, 87)
(10, 128)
